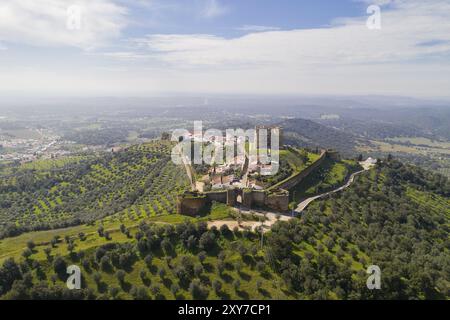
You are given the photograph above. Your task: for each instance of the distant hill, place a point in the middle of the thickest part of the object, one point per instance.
(307, 133)
(390, 122)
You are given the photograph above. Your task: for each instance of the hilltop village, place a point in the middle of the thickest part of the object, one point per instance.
(238, 183)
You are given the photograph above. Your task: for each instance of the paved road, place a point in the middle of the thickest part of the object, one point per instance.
(273, 217)
(305, 203)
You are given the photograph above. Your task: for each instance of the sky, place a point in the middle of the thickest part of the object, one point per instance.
(265, 47)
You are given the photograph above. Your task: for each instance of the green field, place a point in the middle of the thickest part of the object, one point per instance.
(430, 202)
(420, 141)
(13, 247)
(49, 164)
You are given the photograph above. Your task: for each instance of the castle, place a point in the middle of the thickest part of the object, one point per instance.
(275, 198)
(192, 203)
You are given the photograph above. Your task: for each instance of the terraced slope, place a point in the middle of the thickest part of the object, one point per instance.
(138, 182)
(394, 216)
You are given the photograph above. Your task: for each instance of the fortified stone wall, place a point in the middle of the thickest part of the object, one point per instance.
(231, 198)
(275, 198)
(334, 155)
(247, 199)
(191, 206)
(259, 198)
(296, 179)
(278, 202)
(218, 196)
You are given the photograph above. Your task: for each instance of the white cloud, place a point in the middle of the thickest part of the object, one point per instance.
(255, 28)
(125, 55)
(44, 22)
(377, 2)
(213, 8)
(404, 31)
(410, 55)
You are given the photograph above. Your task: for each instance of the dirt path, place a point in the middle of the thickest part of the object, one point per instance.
(271, 219)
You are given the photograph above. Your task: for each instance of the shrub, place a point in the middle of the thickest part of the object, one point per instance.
(139, 293)
(161, 273)
(120, 274)
(97, 278)
(202, 256)
(114, 291)
(105, 263)
(258, 284)
(217, 286)
(236, 284)
(60, 266)
(31, 245)
(196, 290)
(27, 253)
(198, 270)
(174, 288)
(207, 241)
(260, 266)
(148, 260)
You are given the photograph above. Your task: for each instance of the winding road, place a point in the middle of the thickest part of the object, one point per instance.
(273, 217)
(305, 203)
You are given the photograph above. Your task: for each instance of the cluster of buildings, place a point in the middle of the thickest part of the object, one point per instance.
(25, 150)
(254, 158)
(234, 183)
(231, 182)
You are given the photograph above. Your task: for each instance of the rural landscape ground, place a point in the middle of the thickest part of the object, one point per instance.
(224, 158)
(115, 216)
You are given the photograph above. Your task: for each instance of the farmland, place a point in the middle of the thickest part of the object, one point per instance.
(113, 215)
(138, 183)
(321, 255)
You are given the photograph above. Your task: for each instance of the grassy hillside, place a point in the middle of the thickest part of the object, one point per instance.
(158, 262)
(86, 236)
(330, 175)
(292, 161)
(306, 133)
(138, 182)
(404, 229)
